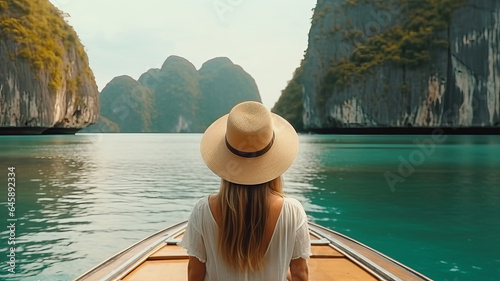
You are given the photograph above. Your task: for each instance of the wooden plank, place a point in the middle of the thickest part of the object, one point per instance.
(321, 269)
(177, 252)
(170, 252)
(173, 251)
(313, 237)
(325, 252)
(159, 270)
(398, 270)
(138, 262)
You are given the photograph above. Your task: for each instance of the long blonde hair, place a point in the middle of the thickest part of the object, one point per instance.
(244, 215)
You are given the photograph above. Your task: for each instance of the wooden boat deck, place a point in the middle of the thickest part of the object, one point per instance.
(335, 257)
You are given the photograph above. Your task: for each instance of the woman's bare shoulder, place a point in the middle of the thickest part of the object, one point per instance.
(292, 201)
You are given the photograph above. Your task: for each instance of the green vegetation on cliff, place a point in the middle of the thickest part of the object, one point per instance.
(42, 36)
(176, 90)
(289, 105)
(409, 44)
(127, 104)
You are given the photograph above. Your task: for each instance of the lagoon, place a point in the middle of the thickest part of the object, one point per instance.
(433, 204)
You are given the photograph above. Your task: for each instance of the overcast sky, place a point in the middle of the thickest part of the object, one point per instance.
(267, 38)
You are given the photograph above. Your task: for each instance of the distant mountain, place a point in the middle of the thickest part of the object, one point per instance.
(176, 92)
(223, 85)
(174, 99)
(128, 104)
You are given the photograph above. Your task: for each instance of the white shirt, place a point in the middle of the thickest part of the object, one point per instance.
(290, 240)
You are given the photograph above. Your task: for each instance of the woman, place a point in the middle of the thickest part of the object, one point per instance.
(248, 231)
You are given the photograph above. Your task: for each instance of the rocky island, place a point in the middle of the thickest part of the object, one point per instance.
(46, 84)
(398, 66)
(175, 98)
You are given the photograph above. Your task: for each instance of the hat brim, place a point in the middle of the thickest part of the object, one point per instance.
(249, 171)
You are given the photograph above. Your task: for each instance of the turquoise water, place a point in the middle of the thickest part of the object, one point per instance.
(81, 199)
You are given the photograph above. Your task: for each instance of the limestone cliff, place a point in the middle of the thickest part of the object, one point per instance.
(128, 104)
(176, 90)
(46, 84)
(402, 63)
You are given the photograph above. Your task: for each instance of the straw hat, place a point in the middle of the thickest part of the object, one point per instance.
(250, 145)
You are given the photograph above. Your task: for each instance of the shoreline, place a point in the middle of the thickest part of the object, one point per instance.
(37, 131)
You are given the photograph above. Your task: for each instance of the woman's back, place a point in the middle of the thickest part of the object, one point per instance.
(288, 240)
(275, 203)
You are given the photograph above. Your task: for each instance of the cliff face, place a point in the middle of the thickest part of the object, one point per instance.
(46, 84)
(128, 103)
(290, 105)
(174, 99)
(402, 63)
(176, 89)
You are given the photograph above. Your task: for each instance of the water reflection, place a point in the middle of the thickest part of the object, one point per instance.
(302, 176)
(49, 202)
(83, 198)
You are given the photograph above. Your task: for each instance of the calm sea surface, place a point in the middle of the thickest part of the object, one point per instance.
(431, 203)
